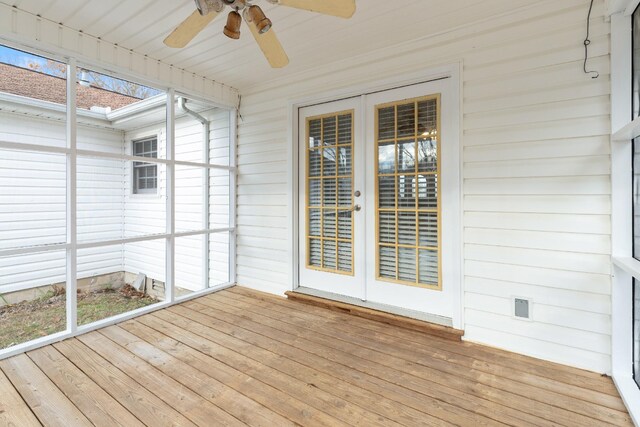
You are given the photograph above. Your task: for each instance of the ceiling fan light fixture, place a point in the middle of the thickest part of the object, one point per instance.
(262, 23)
(232, 29)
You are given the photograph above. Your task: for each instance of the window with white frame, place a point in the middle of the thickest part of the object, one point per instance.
(145, 175)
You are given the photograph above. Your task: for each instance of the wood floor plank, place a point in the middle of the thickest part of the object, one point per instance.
(275, 352)
(337, 408)
(282, 403)
(416, 373)
(569, 375)
(208, 356)
(96, 404)
(14, 412)
(404, 352)
(445, 332)
(193, 406)
(433, 348)
(375, 403)
(506, 392)
(241, 357)
(239, 325)
(145, 405)
(49, 404)
(246, 410)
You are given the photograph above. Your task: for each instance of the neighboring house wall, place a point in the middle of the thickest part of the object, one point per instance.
(33, 203)
(536, 175)
(145, 214)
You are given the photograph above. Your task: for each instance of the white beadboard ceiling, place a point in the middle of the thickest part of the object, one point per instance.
(310, 39)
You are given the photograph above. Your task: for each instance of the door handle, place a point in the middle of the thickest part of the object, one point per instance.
(356, 208)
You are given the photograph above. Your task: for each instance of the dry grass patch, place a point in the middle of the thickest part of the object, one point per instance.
(46, 315)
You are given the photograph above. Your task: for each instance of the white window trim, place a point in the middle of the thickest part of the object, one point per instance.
(72, 245)
(134, 191)
(625, 267)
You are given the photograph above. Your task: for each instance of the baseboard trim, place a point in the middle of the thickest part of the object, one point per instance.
(424, 326)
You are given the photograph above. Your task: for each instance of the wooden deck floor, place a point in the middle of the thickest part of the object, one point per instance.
(239, 357)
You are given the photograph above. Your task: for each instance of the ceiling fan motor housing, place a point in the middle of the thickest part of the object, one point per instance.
(206, 6)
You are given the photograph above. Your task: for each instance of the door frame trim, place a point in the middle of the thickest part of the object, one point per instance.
(452, 70)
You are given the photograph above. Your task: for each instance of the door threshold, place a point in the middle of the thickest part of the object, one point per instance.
(410, 319)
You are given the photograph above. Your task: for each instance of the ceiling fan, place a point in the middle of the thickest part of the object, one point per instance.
(255, 18)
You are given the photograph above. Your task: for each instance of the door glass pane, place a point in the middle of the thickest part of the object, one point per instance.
(427, 136)
(408, 201)
(344, 160)
(345, 129)
(344, 256)
(406, 155)
(329, 187)
(345, 189)
(329, 192)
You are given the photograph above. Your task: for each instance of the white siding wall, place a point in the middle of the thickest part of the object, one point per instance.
(33, 202)
(100, 201)
(145, 213)
(536, 175)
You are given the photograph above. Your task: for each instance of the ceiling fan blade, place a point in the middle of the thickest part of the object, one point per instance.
(340, 8)
(189, 28)
(270, 45)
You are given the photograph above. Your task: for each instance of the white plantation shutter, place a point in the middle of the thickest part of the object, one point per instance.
(330, 193)
(407, 192)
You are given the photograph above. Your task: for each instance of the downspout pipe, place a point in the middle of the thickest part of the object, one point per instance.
(182, 104)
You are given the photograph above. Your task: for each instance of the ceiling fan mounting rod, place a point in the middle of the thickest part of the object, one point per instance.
(236, 4)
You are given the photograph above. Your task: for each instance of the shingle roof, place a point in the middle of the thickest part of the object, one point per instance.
(34, 84)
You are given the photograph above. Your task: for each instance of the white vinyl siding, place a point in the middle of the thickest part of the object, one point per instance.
(32, 202)
(33, 210)
(145, 214)
(536, 175)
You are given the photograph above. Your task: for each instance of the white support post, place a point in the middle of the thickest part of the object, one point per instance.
(625, 267)
(233, 142)
(621, 190)
(72, 241)
(170, 275)
(206, 185)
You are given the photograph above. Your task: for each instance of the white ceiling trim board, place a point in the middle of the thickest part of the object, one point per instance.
(23, 29)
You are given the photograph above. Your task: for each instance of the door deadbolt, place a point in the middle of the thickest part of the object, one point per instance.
(357, 193)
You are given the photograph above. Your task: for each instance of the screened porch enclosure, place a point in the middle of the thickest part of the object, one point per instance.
(430, 216)
(100, 217)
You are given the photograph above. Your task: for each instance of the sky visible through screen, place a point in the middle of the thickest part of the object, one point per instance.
(26, 60)
(19, 58)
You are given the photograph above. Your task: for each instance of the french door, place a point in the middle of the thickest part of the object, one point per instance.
(379, 194)
(332, 246)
